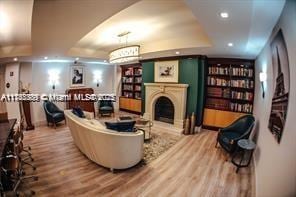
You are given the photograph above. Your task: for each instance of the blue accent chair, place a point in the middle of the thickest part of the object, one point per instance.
(53, 114)
(240, 129)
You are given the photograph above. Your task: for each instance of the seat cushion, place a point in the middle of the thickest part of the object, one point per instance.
(106, 108)
(226, 137)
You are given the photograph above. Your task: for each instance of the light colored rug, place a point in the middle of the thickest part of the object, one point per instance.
(157, 145)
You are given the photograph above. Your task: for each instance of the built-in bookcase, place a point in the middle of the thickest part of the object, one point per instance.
(130, 99)
(230, 86)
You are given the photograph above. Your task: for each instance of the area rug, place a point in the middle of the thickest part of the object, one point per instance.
(157, 145)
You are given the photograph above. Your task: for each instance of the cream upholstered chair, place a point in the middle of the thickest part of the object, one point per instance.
(111, 149)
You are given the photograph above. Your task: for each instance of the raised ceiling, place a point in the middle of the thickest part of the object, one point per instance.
(88, 28)
(155, 25)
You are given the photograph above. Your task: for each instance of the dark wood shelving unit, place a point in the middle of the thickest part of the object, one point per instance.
(229, 90)
(131, 82)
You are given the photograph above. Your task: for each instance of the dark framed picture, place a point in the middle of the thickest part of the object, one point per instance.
(77, 76)
(281, 86)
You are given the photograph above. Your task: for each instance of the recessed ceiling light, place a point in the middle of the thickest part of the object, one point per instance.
(230, 44)
(177, 52)
(15, 59)
(45, 57)
(224, 15)
(77, 58)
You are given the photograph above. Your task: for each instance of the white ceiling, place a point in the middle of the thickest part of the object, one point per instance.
(15, 27)
(150, 25)
(88, 28)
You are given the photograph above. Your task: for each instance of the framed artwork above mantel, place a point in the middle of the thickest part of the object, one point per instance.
(166, 71)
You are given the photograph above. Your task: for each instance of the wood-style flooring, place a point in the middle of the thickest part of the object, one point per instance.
(192, 167)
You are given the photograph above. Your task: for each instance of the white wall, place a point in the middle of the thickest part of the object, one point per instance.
(13, 109)
(275, 164)
(40, 83)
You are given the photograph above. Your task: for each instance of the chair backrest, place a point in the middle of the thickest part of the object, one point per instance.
(103, 103)
(122, 126)
(50, 107)
(243, 124)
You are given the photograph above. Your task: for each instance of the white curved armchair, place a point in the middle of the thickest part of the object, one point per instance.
(111, 149)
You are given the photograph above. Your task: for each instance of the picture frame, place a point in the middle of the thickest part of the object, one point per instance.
(77, 76)
(166, 71)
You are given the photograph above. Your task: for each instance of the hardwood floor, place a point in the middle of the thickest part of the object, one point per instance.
(192, 167)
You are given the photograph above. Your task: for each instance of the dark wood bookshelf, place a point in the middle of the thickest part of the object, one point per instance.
(131, 82)
(229, 88)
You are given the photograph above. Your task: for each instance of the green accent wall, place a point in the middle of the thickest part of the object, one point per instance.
(188, 74)
(147, 77)
(191, 72)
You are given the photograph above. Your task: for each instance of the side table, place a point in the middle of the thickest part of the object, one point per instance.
(145, 126)
(243, 153)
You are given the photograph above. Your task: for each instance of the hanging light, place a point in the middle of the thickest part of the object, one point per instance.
(126, 53)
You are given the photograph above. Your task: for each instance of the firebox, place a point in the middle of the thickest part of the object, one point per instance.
(164, 110)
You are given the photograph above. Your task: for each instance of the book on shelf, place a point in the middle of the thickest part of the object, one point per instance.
(243, 72)
(128, 87)
(213, 70)
(127, 79)
(137, 88)
(217, 81)
(128, 94)
(218, 92)
(217, 103)
(242, 95)
(138, 79)
(138, 95)
(138, 71)
(128, 72)
(246, 108)
(242, 83)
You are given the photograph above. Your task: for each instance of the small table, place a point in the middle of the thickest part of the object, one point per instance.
(245, 151)
(145, 126)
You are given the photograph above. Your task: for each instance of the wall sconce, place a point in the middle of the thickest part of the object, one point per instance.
(53, 78)
(97, 76)
(262, 78)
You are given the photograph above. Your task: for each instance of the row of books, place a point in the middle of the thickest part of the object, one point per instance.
(217, 104)
(138, 79)
(242, 95)
(128, 87)
(128, 71)
(218, 71)
(138, 95)
(127, 79)
(218, 81)
(138, 71)
(138, 88)
(218, 92)
(128, 94)
(247, 108)
(243, 83)
(243, 72)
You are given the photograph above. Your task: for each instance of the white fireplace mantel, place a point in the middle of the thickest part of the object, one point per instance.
(176, 92)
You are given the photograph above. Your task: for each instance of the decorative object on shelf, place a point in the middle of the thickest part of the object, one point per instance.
(187, 126)
(279, 107)
(192, 123)
(77, 76)
(166, 71)
(126, 53)
(262, 78)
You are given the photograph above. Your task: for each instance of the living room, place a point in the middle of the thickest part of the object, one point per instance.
(147, 98)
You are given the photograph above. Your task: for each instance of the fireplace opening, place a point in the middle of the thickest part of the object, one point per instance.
(164, 110)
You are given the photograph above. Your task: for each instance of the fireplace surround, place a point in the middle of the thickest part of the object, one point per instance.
(176, 94)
